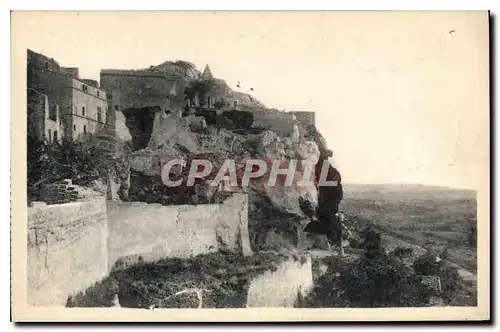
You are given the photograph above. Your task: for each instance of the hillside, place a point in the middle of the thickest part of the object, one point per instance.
(432, 217)
(406, 191)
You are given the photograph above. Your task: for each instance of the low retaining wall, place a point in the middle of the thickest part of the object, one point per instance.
(66, 249)
(154, 232)
(282, 288)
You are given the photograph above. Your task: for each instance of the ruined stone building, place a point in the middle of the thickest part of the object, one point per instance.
(217, 94)
(44, 118)
(207, 97)
(307, 118)
(78, 107)
(137, 96)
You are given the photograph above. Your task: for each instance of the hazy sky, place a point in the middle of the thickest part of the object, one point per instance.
(399, 97)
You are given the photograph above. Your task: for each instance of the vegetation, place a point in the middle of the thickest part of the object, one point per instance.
(219, 104)
(185, 65)
(225, 275)
(386, 281)
(80, 162)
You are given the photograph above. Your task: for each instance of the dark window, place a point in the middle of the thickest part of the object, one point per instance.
(97, 93)
(235, 103)
(116, 107)
(84, 87)
(53, 112)
(99, 114)
(83, 110)
(55, 135)
(85, 129)
(50, 136)
(74, 127)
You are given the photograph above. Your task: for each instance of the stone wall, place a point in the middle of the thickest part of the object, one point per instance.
(282, 288)
(306, 118)
(279, 122)
(141, 89)
(72, 246)
(37, 111)
(66, 249)
(115, 118)
(40, 124)
(153, 231)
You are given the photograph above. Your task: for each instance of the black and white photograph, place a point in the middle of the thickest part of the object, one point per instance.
(250, 160)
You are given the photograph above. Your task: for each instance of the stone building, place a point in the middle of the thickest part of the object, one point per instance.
(44, 118)
(136, 97)
(82, 104)
(159, 87)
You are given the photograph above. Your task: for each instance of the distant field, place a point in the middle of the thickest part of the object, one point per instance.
(432, 217)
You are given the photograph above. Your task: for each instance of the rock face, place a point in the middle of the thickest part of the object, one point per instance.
(285, 150)
(275, 208)
(169, 129)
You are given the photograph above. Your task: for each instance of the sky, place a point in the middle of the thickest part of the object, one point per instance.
(399, 97)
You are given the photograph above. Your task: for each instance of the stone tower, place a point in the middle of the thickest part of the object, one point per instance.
(207, 73)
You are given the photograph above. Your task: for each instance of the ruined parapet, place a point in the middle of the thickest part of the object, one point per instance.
(291, 281)
(118, 182)
(67, 249)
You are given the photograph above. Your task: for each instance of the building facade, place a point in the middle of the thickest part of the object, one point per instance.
(89, 110)
(81, 105)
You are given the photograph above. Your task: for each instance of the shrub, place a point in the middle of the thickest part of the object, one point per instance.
(80, 162)
(219, 104)
(402, 252)
(382, 282)
(428, 265)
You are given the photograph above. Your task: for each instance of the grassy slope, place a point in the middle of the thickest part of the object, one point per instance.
(433, 217)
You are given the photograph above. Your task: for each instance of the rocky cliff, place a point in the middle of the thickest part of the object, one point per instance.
(273, 209)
